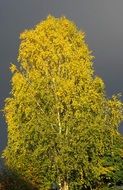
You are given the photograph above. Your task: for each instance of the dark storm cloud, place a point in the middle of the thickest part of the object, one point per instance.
(101, 20)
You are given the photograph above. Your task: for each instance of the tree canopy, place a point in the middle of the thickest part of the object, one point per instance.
(62, 127)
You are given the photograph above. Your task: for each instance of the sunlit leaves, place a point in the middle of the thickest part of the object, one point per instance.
(61, 126)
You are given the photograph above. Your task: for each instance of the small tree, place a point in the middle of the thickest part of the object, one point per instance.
(61, 125)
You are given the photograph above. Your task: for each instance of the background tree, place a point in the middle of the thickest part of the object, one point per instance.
(61, 125)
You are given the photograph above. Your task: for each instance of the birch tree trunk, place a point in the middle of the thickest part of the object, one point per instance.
(64, 186)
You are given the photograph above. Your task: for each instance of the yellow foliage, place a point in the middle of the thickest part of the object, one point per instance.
(59, 118)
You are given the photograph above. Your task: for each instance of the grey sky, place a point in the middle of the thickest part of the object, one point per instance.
(102, 22)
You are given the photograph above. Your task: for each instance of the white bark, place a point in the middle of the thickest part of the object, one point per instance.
(64, 186)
